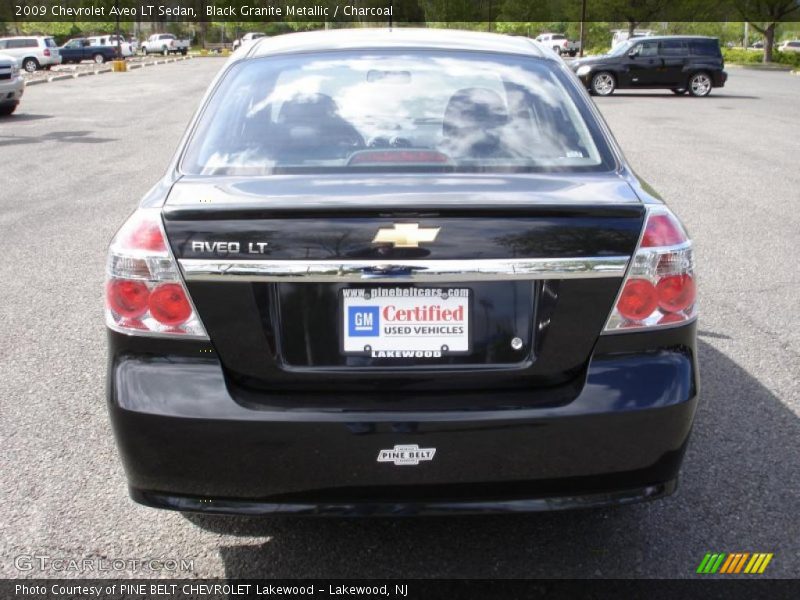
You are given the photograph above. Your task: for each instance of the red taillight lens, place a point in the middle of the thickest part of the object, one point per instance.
(638, 300)
(676, 292)
(127, 298)
(46, 52)
(660, 286)
(662, 230)
(169, 304)
(144, 291)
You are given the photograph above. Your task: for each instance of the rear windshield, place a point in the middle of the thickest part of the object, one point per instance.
(407, 111)
(50, 43)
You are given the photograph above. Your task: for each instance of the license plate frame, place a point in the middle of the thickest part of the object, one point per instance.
(413, 344)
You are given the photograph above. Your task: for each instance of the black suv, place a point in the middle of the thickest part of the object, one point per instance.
(678, 63)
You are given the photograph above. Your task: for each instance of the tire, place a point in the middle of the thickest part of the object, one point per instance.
(99, 59)
(700, 84)
(678, 91)
(184, 51)
(144, 51)
(165, 51)
(30, 65)
(7, 110)
(603, 83)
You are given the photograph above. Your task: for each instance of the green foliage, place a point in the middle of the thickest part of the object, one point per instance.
(741, 56)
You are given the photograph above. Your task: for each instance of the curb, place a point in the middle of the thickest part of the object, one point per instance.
(77, 74)
(759, 67)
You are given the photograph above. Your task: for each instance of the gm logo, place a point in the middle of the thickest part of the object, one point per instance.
(362, 321)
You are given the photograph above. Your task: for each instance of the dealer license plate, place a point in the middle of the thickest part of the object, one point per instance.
(405, 322)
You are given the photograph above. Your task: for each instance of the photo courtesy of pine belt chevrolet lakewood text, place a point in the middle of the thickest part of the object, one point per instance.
(400, 272)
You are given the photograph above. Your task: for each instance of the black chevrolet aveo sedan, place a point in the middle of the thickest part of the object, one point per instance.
(677, 63)
(400, 272)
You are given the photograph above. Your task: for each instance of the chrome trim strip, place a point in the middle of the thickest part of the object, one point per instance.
(378, 271)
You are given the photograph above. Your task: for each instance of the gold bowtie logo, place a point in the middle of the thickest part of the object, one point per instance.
(405, 235)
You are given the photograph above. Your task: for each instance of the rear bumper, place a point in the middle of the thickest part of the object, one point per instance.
(189, 444)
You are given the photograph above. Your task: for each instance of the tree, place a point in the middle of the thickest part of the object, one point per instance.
(765, 15)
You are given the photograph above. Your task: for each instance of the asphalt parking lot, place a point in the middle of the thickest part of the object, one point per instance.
(79, 154)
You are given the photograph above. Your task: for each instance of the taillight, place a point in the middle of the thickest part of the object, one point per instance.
(144, 291)
(659, 288)
(46, 52)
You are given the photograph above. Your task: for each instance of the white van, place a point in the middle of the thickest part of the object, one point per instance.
(32, 52)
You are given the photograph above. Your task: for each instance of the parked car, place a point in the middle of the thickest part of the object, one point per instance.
(428, 281)
(79, 49)
(677, 63)
(32, 52)
(758, 45)
(114, 42)
(559, 43)
(790, 46)
(11, 84)
(247, 38)
(165, 43)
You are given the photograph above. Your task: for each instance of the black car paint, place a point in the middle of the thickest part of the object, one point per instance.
(224, 426)
(622, 426)
(653, 72)
(86, 52)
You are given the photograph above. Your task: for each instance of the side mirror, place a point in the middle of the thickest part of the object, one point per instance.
(633, 53)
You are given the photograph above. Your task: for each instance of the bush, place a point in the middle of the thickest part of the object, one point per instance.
(741, 56)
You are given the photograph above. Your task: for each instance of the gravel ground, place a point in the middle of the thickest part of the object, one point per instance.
(77, 157)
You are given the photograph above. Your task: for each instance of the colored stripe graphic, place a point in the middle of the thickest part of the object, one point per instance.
(722, 563)
(711, 562)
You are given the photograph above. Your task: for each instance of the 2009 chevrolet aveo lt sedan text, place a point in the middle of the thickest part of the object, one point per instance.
(394, 273)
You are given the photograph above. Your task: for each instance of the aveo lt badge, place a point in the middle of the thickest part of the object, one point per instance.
(410, 454)
(405, 235)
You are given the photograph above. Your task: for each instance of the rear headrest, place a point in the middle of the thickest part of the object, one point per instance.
(474, 108)
(303, 107)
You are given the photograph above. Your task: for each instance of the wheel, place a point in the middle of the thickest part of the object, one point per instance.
(184, 51)
(165, 51)
(603, 83)
(30, 64)
(99, 59)
(144, 51)
(700, 84)
(7, 109)
(678, 91)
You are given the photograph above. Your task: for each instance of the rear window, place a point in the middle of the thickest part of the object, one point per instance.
(50, 43)
(705, 48)
(168, 36)
(406, 111)
(558, 36)
(27, 43)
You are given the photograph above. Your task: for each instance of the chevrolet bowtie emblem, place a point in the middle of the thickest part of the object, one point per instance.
(405, 235)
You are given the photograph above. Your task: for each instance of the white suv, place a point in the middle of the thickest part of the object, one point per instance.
(11, 84)
(32, 52)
